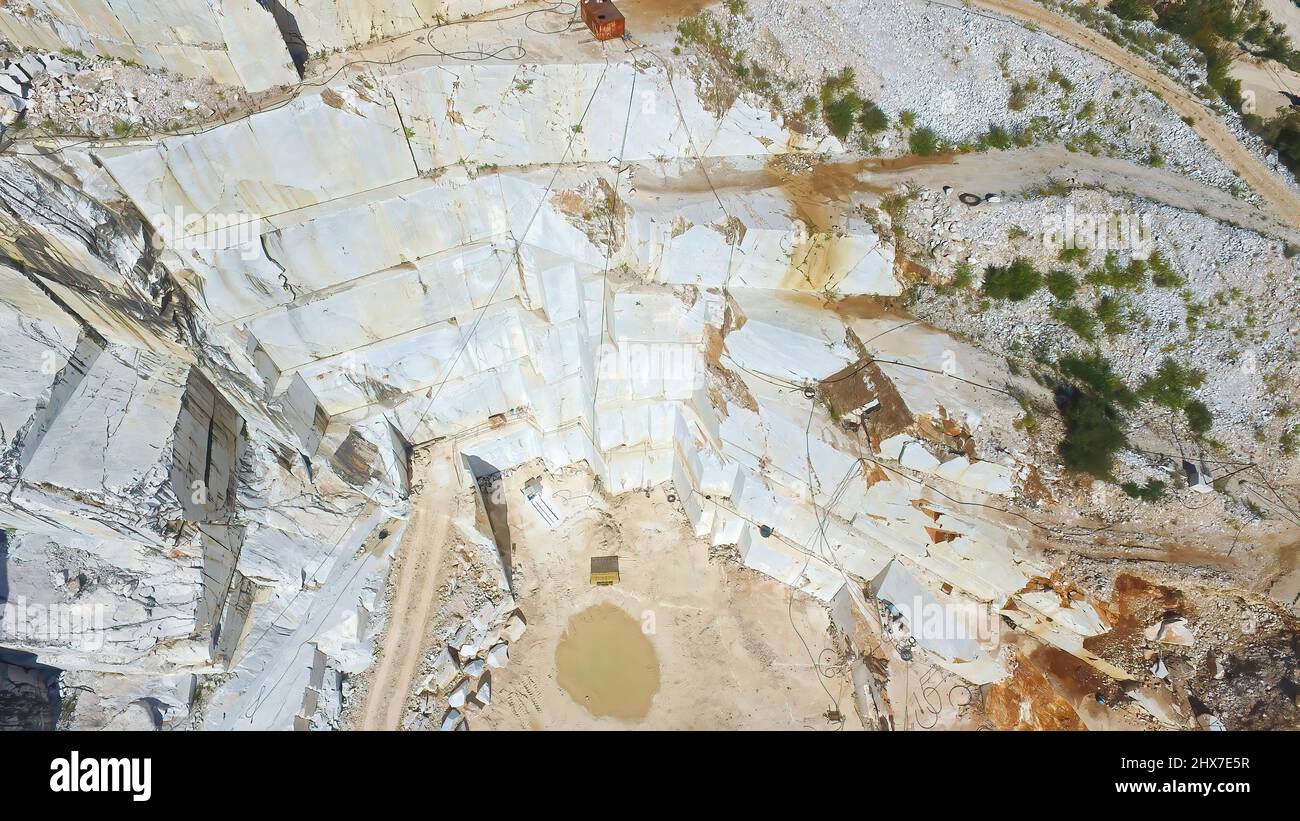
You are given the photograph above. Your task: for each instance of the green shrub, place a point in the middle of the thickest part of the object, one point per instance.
(1060, 79)
(872, 118)
(1016, 282)
(1091, 402)
(700, 30)
(997, 137)
(1199, 418)
(1111, 312)
(836, 85)
(1162, 273)
(1132, 9)
(1078, 256)
(1212, 27)
(1090, 141)
(1094, 372)
(841, 114)
(843, 109)
(1170, 385)
(1283, 133)
(1093, 433)
(1290, 440)
(923, 142)
(1023, 137)
(1078, 320)
(1020, 97)
(1062, 284)
(1152, 491)
(1128, 277)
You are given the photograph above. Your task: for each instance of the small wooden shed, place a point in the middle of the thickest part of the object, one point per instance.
(603, 18)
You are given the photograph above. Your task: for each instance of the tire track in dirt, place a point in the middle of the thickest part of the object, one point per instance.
(419, 561)
(1279, 197)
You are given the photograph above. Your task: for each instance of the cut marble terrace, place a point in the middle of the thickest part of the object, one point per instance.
(230, 419)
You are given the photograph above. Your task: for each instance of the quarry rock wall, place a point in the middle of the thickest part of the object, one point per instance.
(253, 44)
(160, 514)
(369, 287)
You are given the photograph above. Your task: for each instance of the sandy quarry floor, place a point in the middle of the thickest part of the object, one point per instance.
(727, 654)
(1287, 13)
(1267, 80)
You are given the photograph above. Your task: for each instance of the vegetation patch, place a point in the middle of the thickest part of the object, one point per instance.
(1077, 319)
(1062, 284)
(1112, 313)
(1124, 277)
(1091, 400)
(1171, 384)
(1152, 491)
(923, 142)
(1017, 281)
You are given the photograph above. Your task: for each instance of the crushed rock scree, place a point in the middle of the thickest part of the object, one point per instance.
(68, 94)
(1246, 338)
(956, 72)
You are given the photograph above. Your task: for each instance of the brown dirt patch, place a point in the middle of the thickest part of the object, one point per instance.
(1027, 701)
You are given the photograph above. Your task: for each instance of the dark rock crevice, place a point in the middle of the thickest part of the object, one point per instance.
(287, 23)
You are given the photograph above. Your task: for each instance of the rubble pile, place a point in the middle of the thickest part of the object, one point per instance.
(16, 83)
(68, 94)
(1201, 657)
(460, 671)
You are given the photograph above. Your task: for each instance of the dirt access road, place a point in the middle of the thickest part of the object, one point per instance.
(1017, 170)
(417, 585)
(1278, 196)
